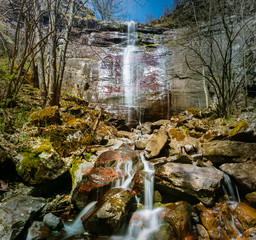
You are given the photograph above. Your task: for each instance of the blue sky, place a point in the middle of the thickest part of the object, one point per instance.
(139, 13)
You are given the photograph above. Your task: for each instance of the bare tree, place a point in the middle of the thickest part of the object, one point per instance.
(167, 11)
(221, 41)
(109, 9)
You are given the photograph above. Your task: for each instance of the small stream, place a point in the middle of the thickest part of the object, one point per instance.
(144, 222)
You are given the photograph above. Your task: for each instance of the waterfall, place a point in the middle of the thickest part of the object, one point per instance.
(229, 190)
(129, 69)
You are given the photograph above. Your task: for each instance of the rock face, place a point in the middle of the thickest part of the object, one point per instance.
(244, 173)
(110, 213)
(95, 72)
(202, 183)
(39, 163)
(16, 213)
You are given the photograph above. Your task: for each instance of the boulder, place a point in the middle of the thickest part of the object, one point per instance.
(141, 143)
(244, 216)
(179, 218)
(52, 221)
(202, 183)
(40, 163)
(160, 123)
(16, 213)
(251, 198)
(38, 230)
(244, 173)
(229, 151)
(110, 213)
(124, 134)
(212, 221)
(45, 117)
(156, 143)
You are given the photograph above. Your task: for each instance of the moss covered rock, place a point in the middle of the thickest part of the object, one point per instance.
(39, 163)
(110, 213)
(45, 116)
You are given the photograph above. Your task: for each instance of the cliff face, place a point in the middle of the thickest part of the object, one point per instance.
(161, 83)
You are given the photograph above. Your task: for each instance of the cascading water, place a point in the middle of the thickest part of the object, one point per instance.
(129, 68)
(127, 175)
(233, 195)
(76, 227)
(148, 220)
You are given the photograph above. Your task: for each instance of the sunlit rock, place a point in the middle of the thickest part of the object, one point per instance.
(183, 180)
(244, 173)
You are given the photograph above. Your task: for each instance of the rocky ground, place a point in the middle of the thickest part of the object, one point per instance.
(55, 161)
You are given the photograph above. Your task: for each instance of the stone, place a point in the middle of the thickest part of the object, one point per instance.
(179, 217)
(244, 216)
(125, 134)
(45, 117)
(243, 173)
(141, 143)
(16, 213)
(228, 151)
(211, 220)
(38, 230)
(159, 123)
(110, 213)
(156, 144)
(52, 221)
(251, 198)
(202, 183)
(202, 232)
(40, 163)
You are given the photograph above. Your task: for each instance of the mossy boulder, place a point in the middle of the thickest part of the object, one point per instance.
(45, 117)
(40, 163)
(110, 213)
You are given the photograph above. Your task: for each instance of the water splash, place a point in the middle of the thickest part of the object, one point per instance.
(76, 227)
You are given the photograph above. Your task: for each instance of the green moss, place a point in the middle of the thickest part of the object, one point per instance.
(29, 166)
(76, 162)
(237, 127)
(45, 116)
